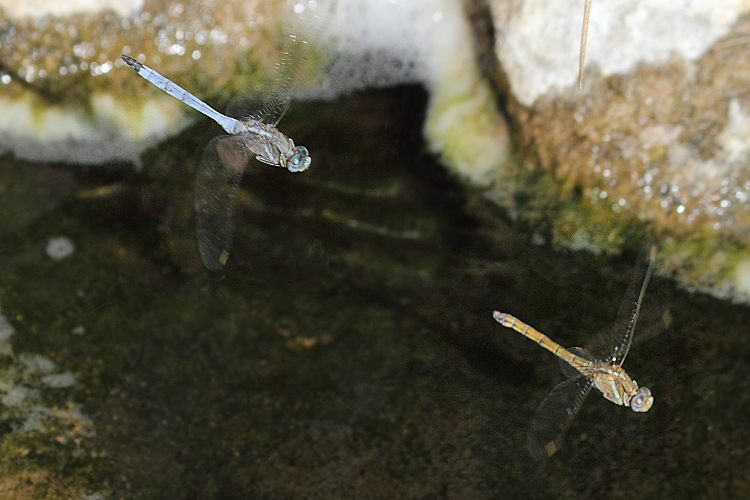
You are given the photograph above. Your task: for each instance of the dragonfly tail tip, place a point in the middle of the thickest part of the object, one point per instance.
(131, 62)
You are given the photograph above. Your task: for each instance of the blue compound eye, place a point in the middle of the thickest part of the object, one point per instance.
(300, 160)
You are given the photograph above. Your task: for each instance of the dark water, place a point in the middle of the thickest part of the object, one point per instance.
(348, 350)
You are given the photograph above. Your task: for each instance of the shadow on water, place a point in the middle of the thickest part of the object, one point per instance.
(348, 350)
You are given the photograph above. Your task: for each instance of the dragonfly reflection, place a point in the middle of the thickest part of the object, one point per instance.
(584, 371)
(224, 158)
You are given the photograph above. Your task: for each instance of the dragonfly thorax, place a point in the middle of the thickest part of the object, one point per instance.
(617, 386)
(272, 147)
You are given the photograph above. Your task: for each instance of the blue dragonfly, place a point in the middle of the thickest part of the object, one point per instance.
(254, 135)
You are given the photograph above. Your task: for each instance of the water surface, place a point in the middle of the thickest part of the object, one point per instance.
(348, 350)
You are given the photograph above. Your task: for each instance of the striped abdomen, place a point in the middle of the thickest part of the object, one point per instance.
(531, 333)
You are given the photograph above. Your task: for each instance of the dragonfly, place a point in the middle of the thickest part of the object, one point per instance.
(225, 157)
(585, 371)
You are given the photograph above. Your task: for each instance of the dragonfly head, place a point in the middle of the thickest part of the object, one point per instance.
(299, 160)
(642, 400)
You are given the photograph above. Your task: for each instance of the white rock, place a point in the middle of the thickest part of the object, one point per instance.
(538, 40)
(6, 332)
(380, 44)
(36, 363)
(60, 248)
(17, 395)
(41, 8)
(59, 380)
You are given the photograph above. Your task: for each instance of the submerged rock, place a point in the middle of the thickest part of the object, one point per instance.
(39, 419)
(60, 248)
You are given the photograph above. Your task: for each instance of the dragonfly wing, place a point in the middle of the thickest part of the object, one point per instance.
(554, 416)
(624, 327)
(266, 107)
(568, 370)
(216, 185)
(304, 23)
(275, 103)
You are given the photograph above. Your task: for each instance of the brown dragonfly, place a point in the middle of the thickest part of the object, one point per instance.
(584, 371)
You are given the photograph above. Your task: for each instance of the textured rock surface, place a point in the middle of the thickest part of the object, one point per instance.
(537, 41)
(658, 141)
(67, 96)
(655, 146)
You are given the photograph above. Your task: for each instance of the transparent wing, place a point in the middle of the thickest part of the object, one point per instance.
(304, 22)
(568, 370)
(265, 106)
(624, 326)
(216, 184)
(271, 105)
(554, 416)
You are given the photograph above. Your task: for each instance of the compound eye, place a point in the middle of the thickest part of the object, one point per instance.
(643, 400)
(300, 160)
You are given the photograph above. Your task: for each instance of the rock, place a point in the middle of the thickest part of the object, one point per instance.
(59, 248)
(654, 147)
(77, 104)
(657, 143)
(431, 43)
(68, 97)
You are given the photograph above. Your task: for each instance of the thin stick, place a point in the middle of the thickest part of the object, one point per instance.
(584, 33)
